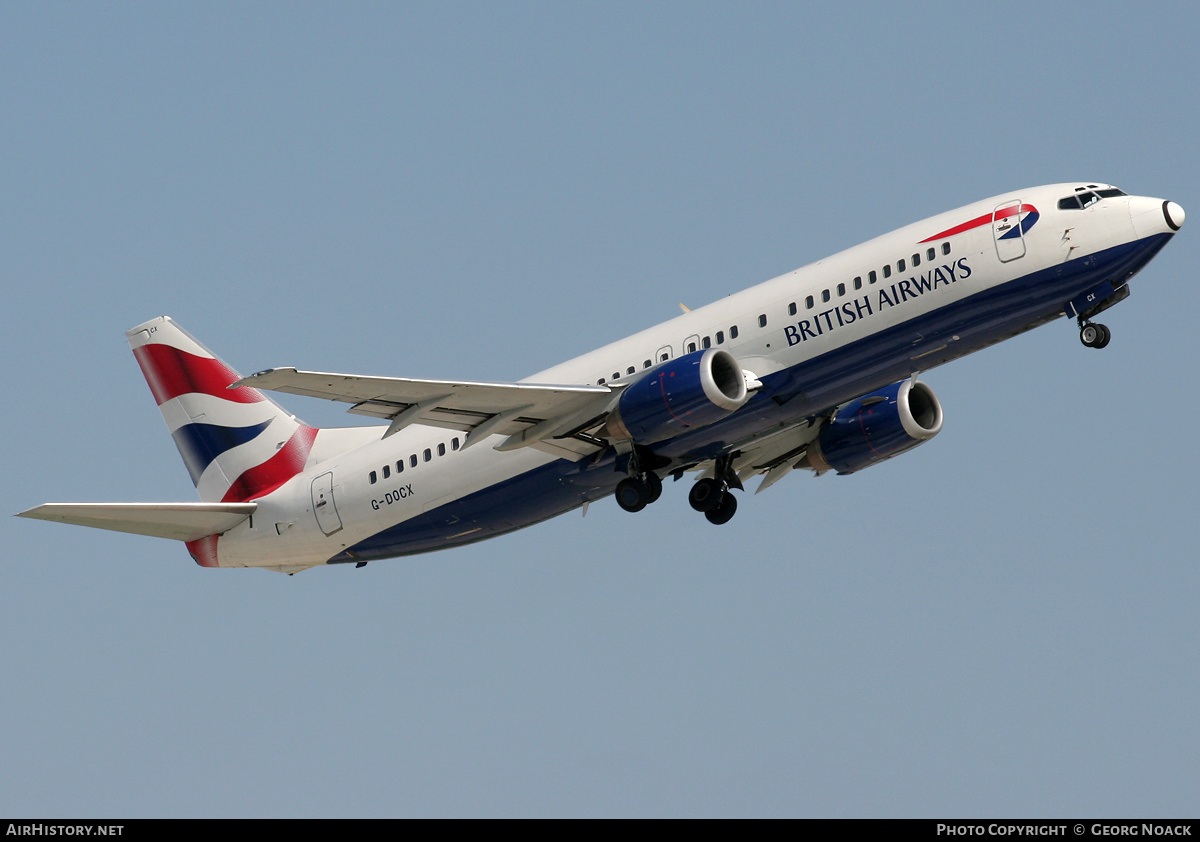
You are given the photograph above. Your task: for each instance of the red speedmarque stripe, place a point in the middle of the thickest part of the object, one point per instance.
(981, 220)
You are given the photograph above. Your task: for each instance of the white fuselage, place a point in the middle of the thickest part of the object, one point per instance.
(814, 338)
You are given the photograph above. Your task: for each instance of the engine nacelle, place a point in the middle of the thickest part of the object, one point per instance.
(876, 427)
(680, 395)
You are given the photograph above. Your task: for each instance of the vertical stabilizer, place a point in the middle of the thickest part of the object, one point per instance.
(237, 444)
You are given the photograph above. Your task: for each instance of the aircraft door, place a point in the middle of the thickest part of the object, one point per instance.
(1008, 231)
(324, 506)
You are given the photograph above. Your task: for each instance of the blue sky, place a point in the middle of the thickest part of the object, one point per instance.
(1002, 622)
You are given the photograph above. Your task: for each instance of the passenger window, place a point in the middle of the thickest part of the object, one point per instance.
(720, 336)
(428, 454)
(792, 309)
(762, 320)
(374, 479)
(887, 271)
(600, 382)
(916, 258)
(630, 370)
(945, 248)
(824, 295)
(646, 363)
(858, 283)
(930, 254)
(664, 357)
(412, 460)
(733, 331)
(691, 347)
(616, 375)
(706, 342)
(442, 449)
(841, 289)
(871, 276)
(387, 471)
(454, 443)
(399, 466)
(900, 265)
(808, 302)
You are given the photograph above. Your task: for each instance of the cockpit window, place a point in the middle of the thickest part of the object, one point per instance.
(1079, 200)
(1085, 198)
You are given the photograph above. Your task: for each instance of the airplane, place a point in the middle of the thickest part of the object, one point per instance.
(816, 369)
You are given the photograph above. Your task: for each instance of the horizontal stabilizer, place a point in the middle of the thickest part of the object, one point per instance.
(178, 521)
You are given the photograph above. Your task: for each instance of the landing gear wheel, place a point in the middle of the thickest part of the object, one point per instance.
(1094, 335)
(724, 510)
(632, 494)
(705, 494)
(654, 486)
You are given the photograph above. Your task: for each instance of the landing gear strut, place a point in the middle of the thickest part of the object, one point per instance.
(1094, 335)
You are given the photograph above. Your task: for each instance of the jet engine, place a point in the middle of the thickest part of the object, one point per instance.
(680, 395)
(876, 427)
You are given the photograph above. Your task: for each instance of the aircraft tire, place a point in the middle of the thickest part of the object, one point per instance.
(654, 486)
(724, 511)
(1091, 334)
(1105, 336)
(632, 494)
(705, 494)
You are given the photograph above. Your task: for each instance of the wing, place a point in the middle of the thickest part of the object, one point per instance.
(178, 521)
(554, 418)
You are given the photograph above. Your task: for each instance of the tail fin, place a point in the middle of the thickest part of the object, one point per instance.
(237, 443)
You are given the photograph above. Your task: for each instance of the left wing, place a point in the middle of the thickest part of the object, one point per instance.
(554, 417)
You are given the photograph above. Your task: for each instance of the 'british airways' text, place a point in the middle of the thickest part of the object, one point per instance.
(867, 305)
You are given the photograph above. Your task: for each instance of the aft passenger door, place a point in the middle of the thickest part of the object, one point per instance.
(324, 507)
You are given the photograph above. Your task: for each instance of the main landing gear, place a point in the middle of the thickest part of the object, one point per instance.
(643, 486)
(636, 493)
(714, 498)
(1094, 335)
(712, 495)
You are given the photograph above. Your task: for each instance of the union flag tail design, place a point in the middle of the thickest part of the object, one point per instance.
(237, 444)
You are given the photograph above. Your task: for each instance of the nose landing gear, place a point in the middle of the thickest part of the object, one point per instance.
(1094, 335)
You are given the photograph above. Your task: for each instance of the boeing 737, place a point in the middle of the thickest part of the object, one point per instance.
(816, 369)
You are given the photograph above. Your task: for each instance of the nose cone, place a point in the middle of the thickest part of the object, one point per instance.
(1154, 216)
(1174, 214)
